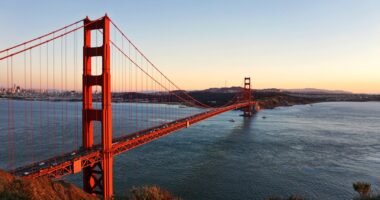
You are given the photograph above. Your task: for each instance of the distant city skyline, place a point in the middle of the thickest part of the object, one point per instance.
(323, 44)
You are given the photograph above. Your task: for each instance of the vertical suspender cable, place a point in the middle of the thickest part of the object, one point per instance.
(66, 90)
(26, 115)
(31, 107)
(62, 90)
(12, 118)
(47, 95)
(136, 105)
(130, 90)
(40, 103)
(122, 88)
(75, 90)
(8, 119)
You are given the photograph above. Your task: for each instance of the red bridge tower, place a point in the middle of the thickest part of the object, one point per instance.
(97, 179)
(247, 96)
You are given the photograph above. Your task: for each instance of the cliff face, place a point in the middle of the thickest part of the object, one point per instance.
(39, 189)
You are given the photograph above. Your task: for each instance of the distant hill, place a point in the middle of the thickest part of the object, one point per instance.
(304, 90)
(316, 91)
(223, 90)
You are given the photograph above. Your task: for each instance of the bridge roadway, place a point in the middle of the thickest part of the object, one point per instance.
(74, 162)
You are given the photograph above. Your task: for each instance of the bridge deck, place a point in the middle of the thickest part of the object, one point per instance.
(74, 162)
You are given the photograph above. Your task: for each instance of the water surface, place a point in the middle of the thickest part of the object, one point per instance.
(316, 151)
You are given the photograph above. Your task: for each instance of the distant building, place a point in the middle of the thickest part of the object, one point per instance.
(18, 89)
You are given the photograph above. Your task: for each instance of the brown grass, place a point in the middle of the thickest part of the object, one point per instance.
(150, 193)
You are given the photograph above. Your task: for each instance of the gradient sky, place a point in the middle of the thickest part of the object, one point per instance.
(327, 44)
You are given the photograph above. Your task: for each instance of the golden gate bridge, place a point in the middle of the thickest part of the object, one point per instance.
(93, 62)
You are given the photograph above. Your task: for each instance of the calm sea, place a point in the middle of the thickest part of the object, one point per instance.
(316, 151)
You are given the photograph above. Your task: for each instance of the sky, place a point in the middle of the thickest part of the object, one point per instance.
(326, 44)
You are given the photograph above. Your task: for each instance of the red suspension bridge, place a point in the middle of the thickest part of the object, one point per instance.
(89, 71)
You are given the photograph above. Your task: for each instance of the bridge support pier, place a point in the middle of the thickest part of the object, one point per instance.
(247, 96)
(97, 179)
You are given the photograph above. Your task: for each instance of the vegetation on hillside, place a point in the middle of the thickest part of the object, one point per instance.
(150, 193)
(365, 192)
(18, 188)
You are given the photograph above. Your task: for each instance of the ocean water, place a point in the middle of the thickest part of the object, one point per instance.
(316, 151)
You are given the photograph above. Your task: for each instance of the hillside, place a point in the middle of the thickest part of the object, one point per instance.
(39, 189)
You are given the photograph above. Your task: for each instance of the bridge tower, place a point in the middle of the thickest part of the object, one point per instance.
(97, 179)
(247, 96)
